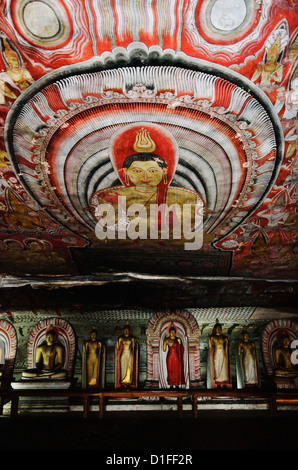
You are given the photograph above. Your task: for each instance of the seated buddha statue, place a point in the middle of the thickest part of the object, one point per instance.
(282, 358)
(48, 361)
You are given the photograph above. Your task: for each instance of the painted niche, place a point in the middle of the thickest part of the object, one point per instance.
(279, 343)
(188, 334)
(64, 334)
(8, 349)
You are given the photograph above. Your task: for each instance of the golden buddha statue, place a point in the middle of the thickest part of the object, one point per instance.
(282, 358)
(91, 359)
(126, 359)
(48, 361)
(248, 358)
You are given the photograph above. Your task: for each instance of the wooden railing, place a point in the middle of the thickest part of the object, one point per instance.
(271, 397)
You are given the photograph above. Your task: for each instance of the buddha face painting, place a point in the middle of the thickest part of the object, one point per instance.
(145, 170)
(144, 142)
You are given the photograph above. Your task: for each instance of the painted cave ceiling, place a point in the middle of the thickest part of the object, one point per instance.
(209, 88)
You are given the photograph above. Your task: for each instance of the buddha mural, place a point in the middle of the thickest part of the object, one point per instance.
(145, 157)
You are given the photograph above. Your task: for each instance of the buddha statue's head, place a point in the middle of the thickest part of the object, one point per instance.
(126, 330)
(245, 336)
(285, 341)
(93, 334)
(50, 337)
(217, 329)
(172, 332)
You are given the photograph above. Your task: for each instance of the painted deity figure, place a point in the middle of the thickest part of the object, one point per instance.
(145, 203)
(49, 360)
(288, 100)
(126, 349)
(92, 350)
(282, 358)
(16, 78)
(248, 359)
(174, 360)
(218, 345)
(270, 72)
(276, 213)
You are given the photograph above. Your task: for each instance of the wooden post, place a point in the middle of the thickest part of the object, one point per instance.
(273, 404)
(180, 407)
(86, 404)
(101, 405)
(14, 405)
(195, 405)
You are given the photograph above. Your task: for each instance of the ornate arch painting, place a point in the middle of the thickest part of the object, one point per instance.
(69, 134)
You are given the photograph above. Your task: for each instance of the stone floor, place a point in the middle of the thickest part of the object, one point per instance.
(151, 432)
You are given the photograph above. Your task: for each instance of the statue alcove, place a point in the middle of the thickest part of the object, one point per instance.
(100, 367)
(271, 340)
(188, 331)
(65, 336)
(8, 349)
(180, 332)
